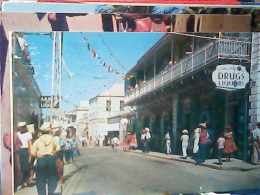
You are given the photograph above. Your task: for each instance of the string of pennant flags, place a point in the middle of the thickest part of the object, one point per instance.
(81, 93)
(101, 61)
(111, 53)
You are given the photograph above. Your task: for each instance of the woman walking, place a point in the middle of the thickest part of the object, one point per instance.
(202, 144)
(196, 139)
(229, 146)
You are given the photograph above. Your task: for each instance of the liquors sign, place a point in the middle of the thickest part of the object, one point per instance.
(230, 77)
(45, 102)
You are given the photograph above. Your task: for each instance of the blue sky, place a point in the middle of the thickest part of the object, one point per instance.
(118, 50)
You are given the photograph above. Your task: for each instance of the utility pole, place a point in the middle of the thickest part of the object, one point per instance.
(56, 68)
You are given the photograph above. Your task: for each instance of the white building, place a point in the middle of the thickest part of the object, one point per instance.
(103, 106)
(82, 113)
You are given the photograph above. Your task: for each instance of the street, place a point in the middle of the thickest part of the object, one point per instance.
(104, 171)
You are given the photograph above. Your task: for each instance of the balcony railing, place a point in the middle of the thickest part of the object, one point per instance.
(220, 49)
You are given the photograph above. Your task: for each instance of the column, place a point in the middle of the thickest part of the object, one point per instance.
(174, 122)
(254, 97)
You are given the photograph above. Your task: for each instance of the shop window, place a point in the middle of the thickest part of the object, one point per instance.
(108, 107)
(122, 105)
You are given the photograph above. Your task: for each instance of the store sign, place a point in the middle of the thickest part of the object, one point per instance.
(45, 102)
(230, 77)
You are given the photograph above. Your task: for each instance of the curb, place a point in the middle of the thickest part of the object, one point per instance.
(190, 162)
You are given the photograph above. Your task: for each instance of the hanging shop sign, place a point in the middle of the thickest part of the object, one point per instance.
(230, 77)
(45, 102)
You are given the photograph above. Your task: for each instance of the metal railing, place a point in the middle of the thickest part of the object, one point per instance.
(219, 49)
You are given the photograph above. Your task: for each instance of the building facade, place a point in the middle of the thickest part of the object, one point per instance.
(104, 106)
(171, 86)
(26, 92)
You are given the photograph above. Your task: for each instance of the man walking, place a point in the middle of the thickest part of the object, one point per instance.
(256, 144)
(143, 140)
(24, 151)
(148, 139)
(44, 149)
(168, 143)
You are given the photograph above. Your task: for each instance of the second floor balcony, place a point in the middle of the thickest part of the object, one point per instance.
(228, 49)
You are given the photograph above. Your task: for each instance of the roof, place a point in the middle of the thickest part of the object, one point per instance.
(114, 91)
(150, 52)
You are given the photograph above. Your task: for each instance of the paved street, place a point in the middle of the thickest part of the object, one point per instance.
(103, 171)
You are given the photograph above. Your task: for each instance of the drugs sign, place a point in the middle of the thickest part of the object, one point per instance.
(45, 102)
(230, 77)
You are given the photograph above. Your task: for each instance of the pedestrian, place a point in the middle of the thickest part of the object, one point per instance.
(229, 146)
(115, 142)
(67, 151)
(167, 139)
(133, 142)
(18, 177)
(148, 139)
(123, 144)
(256, 144)
(220, 143)
(143, 140)
(184, 143)
(74, 147)
(45, 149)
(60, 154)
(25, 155)
(90, 141)
(201, 157)
(196, 139)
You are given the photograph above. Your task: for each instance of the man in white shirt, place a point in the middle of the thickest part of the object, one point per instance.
(147, 139)
(143, 138)
(25, 156)
(256, 143)
(115, 142)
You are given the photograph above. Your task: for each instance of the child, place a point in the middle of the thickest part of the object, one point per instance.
(221, 142)
(185, 141)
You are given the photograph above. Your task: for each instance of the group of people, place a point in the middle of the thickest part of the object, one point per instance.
(129, 142)
(42, 153)
(200, 143)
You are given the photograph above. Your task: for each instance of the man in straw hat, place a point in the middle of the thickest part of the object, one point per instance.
(202, 144)
(25, 156)
(147, 139)
(44, 149)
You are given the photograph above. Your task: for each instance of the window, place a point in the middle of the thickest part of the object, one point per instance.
(122, 105)
(108, 107)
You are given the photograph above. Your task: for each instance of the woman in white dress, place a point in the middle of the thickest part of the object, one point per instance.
(196, 139)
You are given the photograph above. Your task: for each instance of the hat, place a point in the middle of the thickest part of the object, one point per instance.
(204, 125)
(46, 126)
(185, 131)
(197, 130)
(30, 128)
(146, 129)
(128, 133)
(228, 127)
(21, 124)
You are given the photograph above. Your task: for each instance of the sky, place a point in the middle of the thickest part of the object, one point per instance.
(120, 51)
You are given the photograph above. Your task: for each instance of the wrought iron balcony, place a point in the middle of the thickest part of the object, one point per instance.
(219, 49)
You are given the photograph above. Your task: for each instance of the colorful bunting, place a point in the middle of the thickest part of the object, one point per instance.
(95, 55)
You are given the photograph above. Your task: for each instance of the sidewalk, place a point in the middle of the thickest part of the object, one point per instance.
(234, 164)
